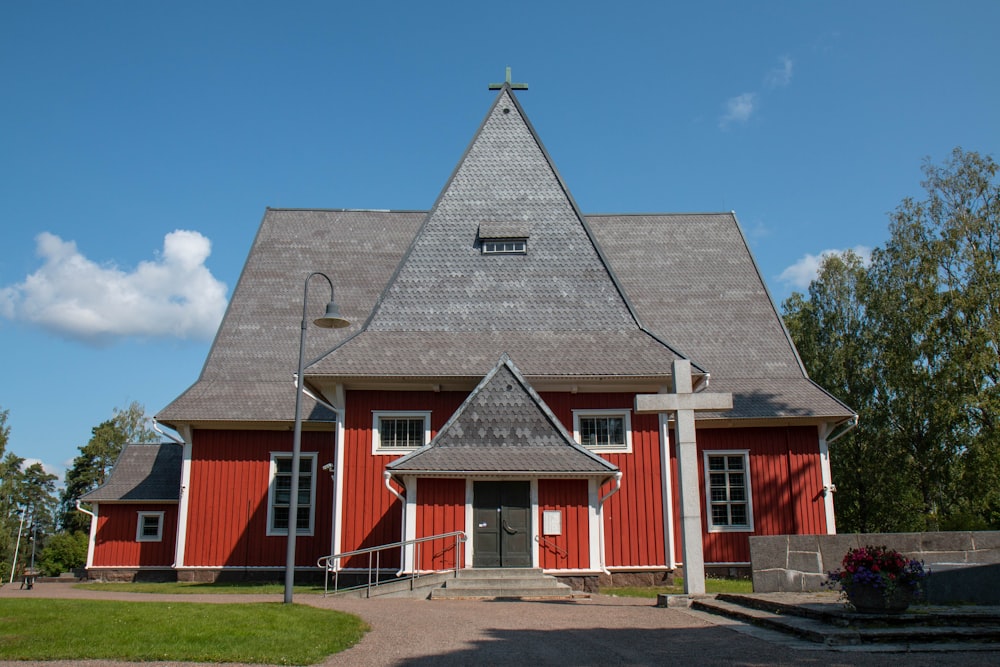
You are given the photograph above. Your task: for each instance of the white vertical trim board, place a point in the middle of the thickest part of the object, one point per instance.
(667, 489)
(185, 504)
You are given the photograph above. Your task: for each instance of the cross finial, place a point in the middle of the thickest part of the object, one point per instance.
(513, 86)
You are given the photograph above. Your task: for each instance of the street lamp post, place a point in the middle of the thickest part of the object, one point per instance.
(330, 320)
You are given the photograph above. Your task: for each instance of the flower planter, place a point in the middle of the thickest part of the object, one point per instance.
(868, 572)
(871, 600)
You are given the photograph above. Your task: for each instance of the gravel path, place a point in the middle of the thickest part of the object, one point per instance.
(601, 631)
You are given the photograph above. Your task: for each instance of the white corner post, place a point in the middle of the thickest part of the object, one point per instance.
(683, 403)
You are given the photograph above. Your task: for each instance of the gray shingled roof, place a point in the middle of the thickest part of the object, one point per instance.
(579, 303)
(143, 473)
(556, 308)
(503, 427)
(249, 373)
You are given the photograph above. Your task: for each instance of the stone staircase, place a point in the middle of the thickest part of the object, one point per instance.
(834, 625)
(504, 583)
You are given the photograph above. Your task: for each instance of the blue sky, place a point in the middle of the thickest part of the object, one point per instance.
(142, 141)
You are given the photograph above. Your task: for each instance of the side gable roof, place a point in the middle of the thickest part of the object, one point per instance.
(142, 473)
(503, 427)
(700, 288)
(250, 369)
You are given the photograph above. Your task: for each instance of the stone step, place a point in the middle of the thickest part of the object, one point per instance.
(506, 583)
(803, 628)
(500, 573)
(509, 593)
(805, 624)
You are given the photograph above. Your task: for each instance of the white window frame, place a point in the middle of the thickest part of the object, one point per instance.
(601, 449)
(712, 528)
(139, 537)
(272, 490)
(379, 415)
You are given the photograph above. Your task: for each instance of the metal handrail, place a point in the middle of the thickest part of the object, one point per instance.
(549, 543)
(331, 563)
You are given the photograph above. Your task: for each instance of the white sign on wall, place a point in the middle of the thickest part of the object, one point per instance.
(552, 522)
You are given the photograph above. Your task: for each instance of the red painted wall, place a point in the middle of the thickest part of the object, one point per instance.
(633, 517)
(786, 478)
(229, 477)
(571, 550)
(116, 545)
(441, 509)
(373, 516)
(230, 473)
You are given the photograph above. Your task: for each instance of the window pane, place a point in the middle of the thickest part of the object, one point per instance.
(729, 490)
(602, 431)
(739, 513)
(719, 515)
(303, 524)
(284, 465)
(150, 526)
(280, 518)
(401, 432)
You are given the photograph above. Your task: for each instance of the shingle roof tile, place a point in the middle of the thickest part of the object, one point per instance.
(143, 473)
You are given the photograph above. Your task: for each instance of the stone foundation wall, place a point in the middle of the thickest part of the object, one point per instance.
(125, 574)
(965, 566)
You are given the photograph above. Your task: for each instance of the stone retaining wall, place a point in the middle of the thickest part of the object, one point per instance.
(965, 566)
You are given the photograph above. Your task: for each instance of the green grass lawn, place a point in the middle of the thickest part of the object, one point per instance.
(711, 586)
(270, 633)
(235, 588)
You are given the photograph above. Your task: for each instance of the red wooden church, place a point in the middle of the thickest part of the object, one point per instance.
(487, 384)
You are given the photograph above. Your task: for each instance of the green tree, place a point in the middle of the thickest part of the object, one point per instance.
(939, 294)
(833, 332)
(10, 475)
(64, 552)
(91, 467)
(912, 343)
(36, 495)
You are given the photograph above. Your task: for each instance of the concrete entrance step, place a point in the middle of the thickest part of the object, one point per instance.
(840, 627)
(504, 583)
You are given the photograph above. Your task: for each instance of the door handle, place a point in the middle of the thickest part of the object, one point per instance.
(506, 527)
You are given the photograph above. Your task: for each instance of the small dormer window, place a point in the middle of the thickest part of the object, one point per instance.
(503, 238)
(505, 246)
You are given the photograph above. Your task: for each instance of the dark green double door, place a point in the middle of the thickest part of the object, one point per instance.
(502, 535)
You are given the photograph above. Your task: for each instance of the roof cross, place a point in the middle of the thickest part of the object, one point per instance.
(513, 86)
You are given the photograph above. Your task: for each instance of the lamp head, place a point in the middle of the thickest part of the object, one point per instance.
(332, 319)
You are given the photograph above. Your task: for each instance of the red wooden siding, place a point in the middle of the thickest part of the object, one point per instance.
(230, 473)
(570, 497)
(440, 509)
(116, 545)
(786, 479)
(372, 516)
(633, 517)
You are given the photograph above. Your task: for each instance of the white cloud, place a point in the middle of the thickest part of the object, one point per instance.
(804, 271)
(172, 296)
(780, 76)
(739, 109)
